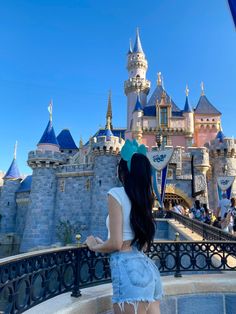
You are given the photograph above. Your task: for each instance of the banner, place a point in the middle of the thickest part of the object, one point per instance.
(163, 182)
(224, 185)
(225, 182)
(155, 186)
(160, 159)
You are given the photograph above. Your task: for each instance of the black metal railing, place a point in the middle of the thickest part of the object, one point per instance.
(207, 232)
(29, 279)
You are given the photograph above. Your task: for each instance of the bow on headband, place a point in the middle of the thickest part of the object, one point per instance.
(130, 148)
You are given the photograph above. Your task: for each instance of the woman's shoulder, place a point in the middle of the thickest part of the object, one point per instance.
(117, 193)
(117, 189)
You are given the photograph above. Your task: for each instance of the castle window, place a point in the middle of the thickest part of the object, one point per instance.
(207, 119)
(164, 117)
(213, 119)
(87, 185)
(137, 76)
(62, 185)
(70, 151)
(201, 119)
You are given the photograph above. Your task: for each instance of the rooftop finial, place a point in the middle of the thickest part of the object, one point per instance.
(50, 110)
(187, 90)
(109, 113)
(202, 89)
(159, 81)
(15, 150)
(80, 142)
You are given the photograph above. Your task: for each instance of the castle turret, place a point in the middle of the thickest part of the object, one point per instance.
(207, 120)
(189, 120)
(137, 83)
(222, 152)
(105, 155)
(40, 217)
(12, 180)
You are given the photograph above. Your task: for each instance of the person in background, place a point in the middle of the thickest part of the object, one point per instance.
(206, 214)
(223, 207)
(197, 211)
(177, 208)
(232, 209)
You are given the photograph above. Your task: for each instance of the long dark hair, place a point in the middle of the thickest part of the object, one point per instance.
(138, 186)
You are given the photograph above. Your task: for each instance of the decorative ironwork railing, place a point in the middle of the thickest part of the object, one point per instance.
(29, 279)
(207, 232)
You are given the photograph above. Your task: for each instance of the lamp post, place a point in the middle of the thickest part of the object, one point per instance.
(159, 139)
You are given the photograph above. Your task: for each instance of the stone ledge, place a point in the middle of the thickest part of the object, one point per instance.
(97, 300)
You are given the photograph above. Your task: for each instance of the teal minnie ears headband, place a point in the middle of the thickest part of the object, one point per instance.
(130, 148)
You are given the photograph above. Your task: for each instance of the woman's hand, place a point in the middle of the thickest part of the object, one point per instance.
(91, 242)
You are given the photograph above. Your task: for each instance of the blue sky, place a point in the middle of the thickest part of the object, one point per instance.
(75, 51)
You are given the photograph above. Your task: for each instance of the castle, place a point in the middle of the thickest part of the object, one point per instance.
(71, 183)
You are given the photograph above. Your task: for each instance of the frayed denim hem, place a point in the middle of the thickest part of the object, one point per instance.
(135, 303)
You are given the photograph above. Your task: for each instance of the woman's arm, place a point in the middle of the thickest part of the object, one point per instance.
(115, 241)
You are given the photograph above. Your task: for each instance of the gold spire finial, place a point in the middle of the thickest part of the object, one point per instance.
(15, 150)
(80, 142)
(202, 89)
(50, 110)
(109, 113)
(187, 90)
(159, 81)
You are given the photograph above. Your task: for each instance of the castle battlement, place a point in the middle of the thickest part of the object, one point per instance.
(137, 83)
(104, 146)
(39, 159)
(224, 148)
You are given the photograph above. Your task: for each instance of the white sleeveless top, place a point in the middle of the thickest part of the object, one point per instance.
(120, 195)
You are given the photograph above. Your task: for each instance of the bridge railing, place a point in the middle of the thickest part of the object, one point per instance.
(207, 232)
(29, 279)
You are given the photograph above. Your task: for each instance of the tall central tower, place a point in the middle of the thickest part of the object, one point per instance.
(137, 84)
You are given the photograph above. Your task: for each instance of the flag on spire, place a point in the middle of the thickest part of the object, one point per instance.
(50, 110)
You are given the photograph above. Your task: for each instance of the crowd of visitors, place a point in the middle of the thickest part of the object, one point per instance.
(224, 217)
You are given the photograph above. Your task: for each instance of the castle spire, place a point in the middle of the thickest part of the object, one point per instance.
(137, 44)
(130, 47)
(187, 107)
(48, 140)
(13, 172)
(109, 113)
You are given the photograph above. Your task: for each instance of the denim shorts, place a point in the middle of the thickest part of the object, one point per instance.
(135, 278)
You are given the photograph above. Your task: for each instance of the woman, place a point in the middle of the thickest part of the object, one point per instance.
(232, 210)
(206, 214)
(136, 280)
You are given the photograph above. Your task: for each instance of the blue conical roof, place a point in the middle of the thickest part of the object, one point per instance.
(66, 140)
(205, 107)
(220, 136)
(137, 44)
(49, 136)
(108, 133)
(187, 107)
(13, 171)
(138, 105)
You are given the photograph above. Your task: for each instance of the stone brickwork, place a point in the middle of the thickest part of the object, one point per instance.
(8, 205)
(76, 189)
